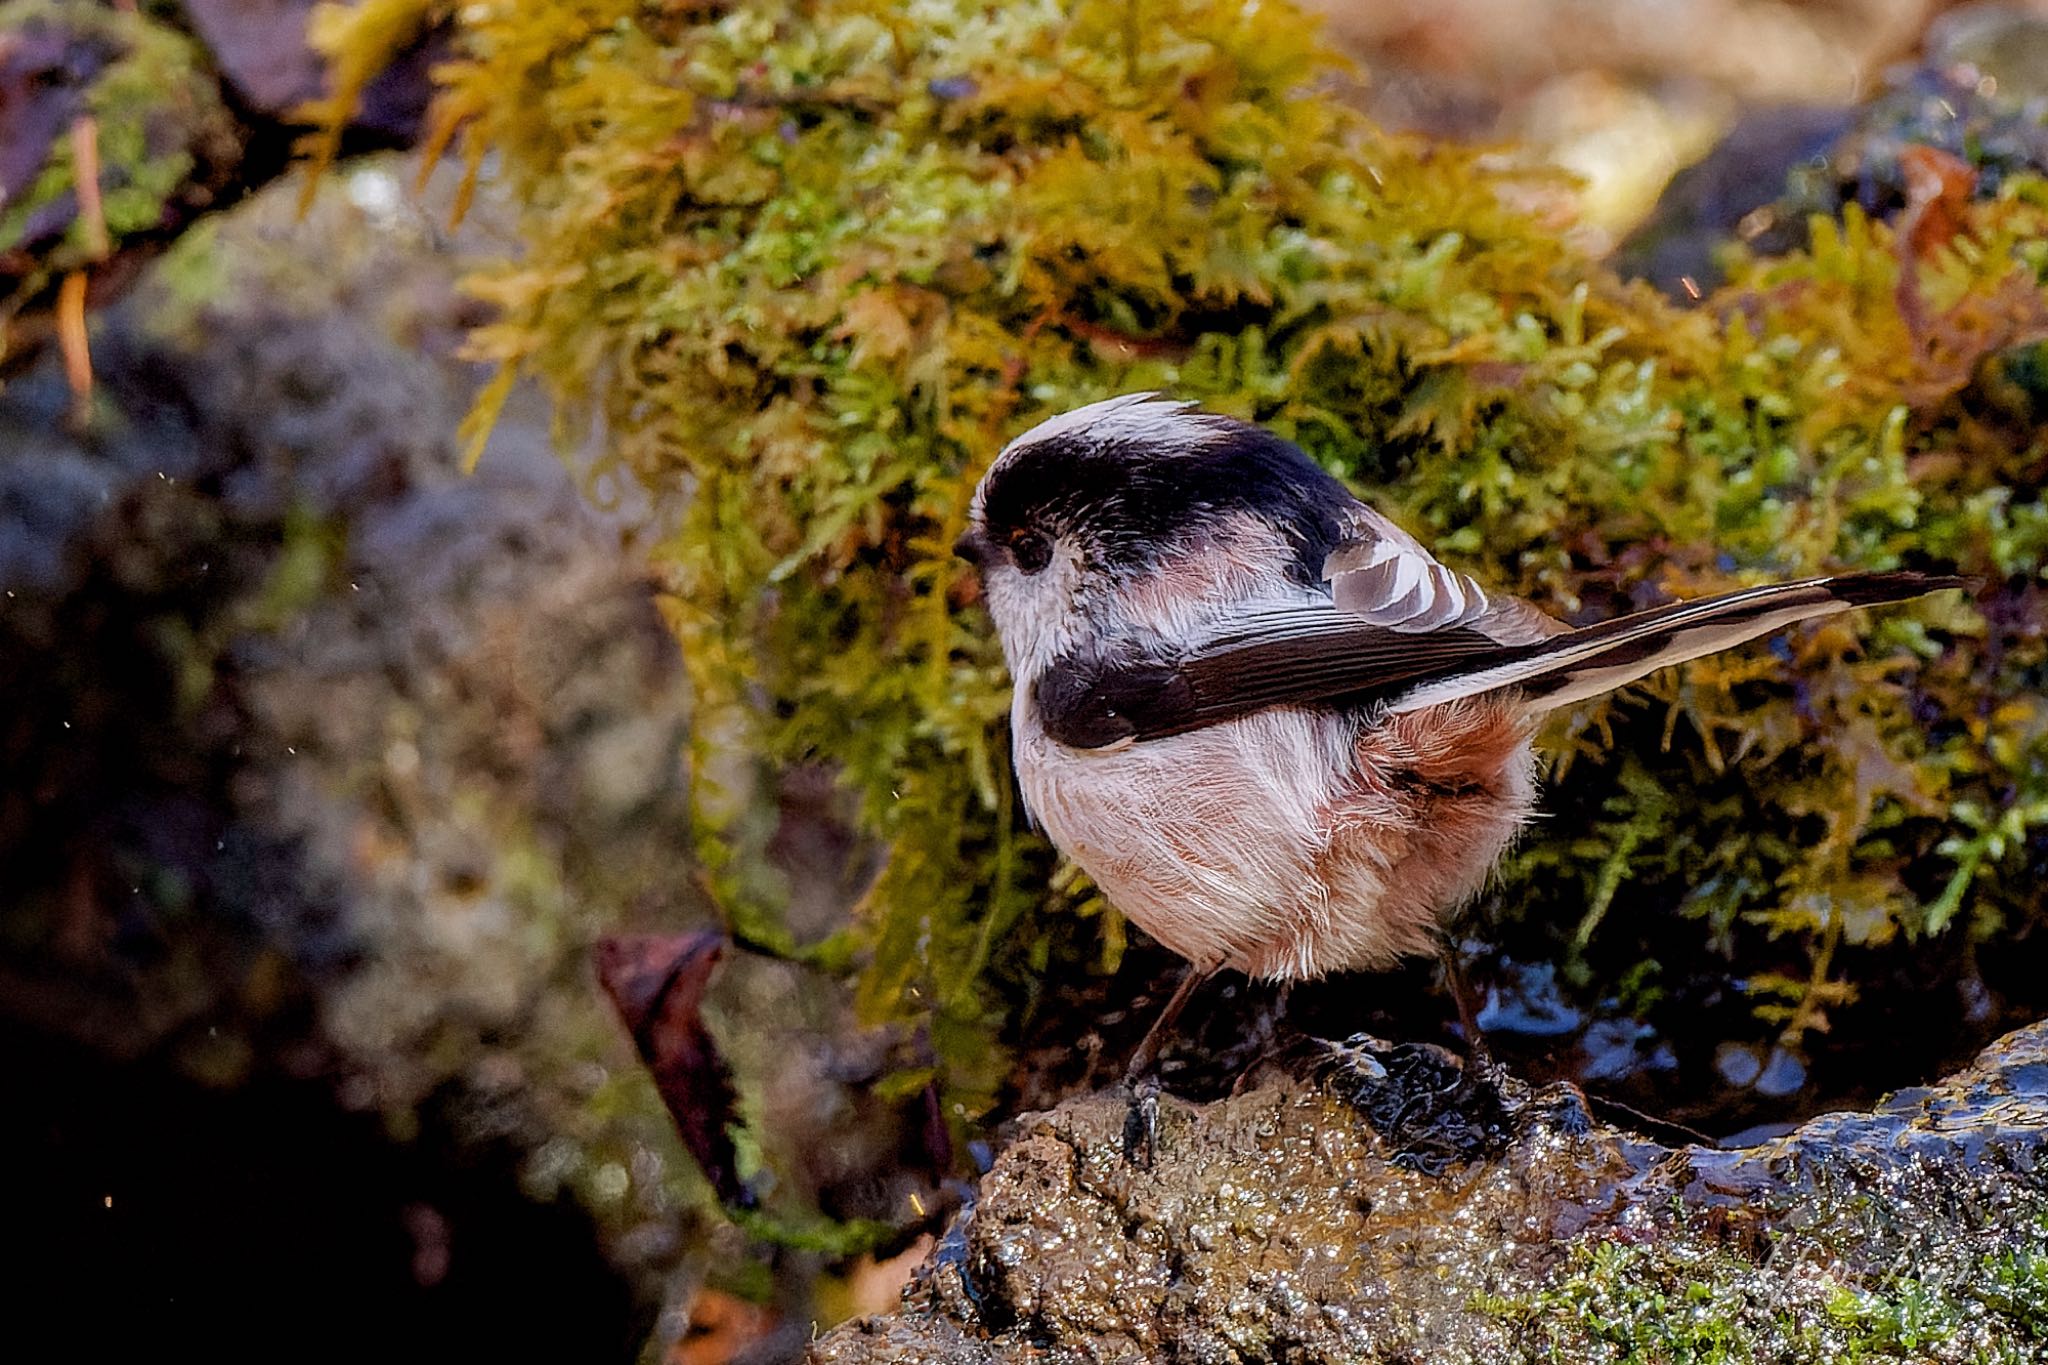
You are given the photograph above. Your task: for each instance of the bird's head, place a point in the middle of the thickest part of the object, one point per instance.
(1142, 513)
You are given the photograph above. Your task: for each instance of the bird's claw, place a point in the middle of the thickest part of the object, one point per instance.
(1141, 1121)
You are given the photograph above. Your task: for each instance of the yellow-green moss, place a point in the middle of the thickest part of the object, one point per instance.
(813, 263)
(1680, 1298)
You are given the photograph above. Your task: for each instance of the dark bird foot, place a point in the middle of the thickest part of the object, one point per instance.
(1432, 1108)
(1141, 1121)
(1141, 1079)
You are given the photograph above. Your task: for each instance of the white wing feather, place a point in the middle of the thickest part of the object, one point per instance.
(1383, 575)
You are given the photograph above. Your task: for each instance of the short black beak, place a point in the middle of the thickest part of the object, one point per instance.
(973, 547)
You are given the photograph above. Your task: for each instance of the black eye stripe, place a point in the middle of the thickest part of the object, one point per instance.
(1124, 502)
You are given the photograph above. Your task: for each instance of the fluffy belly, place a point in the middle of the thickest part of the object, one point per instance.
(1264, 844)
(1210, 841)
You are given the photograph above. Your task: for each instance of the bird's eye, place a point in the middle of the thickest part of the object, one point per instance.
(1031, 551)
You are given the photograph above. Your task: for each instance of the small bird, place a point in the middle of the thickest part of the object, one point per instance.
(1279, 734)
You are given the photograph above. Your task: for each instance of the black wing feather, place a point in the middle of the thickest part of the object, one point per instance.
(1130, 691)
(1133, 690)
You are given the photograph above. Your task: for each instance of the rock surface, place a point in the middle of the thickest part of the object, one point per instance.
(120, 127)
(1976, 95)
(1281, 1224)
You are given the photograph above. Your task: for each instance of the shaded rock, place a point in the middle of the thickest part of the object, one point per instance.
(261, 47)
(323, 763)
(44, 73)
(324, 757)
(1708, 202)
(1976, 95)
(1283, 1224)
(2008, 43)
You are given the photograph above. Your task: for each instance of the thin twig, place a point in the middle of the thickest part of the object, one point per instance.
(85, 168)
(72, 340)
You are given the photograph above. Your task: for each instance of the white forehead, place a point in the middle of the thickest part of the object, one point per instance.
(1164, 423)
(1126, 417)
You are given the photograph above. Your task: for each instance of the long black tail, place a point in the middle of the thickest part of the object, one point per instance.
(1594, 659)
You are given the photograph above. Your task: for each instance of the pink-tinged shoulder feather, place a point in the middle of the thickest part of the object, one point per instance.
(1438, 796)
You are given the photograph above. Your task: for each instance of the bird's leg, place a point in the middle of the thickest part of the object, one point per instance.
(1476, 1052)
(1147, 1055)
(1276, 1024)
(1141, 1077)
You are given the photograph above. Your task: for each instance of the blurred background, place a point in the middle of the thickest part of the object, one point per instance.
(324, 766)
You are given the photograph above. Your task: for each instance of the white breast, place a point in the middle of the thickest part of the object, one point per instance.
(1209, 841)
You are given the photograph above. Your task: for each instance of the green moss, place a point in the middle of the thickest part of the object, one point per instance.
(1680, 1299)
(813, 264)
(158, 118)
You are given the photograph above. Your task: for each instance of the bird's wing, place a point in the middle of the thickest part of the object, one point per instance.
(1284, 656)
(1382, 575)
(1316, 655)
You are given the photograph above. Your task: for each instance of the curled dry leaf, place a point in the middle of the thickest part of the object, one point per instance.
(1938, 189)
(721, 1327)
(657, 984)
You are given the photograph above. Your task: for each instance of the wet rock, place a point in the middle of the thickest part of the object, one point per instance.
(1288, 1223)
(1433, 1109)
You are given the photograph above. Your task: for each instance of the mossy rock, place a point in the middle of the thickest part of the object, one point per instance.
(1280, 1224)
(159, 132)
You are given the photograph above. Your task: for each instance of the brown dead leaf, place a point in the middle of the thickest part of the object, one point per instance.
(1937, 191)
(657, 984)
(721, 1326)
(1949, 347)
(1938, 188)
(876, 1286)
